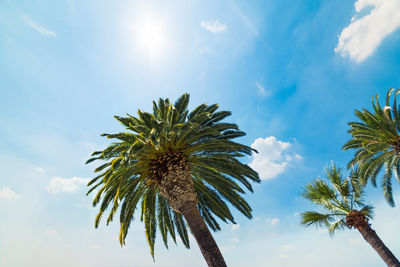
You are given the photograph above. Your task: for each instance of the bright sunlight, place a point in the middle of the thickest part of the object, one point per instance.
(151, 36)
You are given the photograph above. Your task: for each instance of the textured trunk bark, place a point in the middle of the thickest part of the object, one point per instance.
(202, 234)
(376, 243)
(176, 185)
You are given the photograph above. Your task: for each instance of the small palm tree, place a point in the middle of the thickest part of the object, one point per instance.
(342, 202)
(175, 166)
(376, 140)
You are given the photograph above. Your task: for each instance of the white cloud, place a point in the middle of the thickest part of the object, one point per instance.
(261, 90)
(7, 193)
(275, 221)
(59, 184)
(40, 29)
(272, 221)
(272, 158)
(364, 34)
(235, 226)
(298, 157)
(213, 26)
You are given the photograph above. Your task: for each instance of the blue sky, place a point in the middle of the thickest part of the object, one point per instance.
(291, 72)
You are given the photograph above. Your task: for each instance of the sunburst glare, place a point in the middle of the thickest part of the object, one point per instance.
(150, 35)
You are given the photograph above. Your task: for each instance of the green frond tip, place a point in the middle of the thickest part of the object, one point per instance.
(136, 161)
(313, 218)
(98, 218)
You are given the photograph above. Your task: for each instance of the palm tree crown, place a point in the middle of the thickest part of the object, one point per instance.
(169, 158)
(376, 140)
(341, 200)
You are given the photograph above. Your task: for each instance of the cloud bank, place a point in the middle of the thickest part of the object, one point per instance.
(213, 26)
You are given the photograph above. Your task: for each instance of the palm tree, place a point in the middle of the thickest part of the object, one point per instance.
(342, 202)
(179, 166)
(376, 140)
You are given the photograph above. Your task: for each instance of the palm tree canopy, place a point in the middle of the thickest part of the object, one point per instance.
(136, 161)
(376, 140)
(336, 199)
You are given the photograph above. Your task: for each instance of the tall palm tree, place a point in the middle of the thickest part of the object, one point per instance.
(342, 202)
(179, 166)
(376, 140)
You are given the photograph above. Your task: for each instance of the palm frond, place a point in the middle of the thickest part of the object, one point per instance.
(313, 218)
(376, 141)
(337, 199)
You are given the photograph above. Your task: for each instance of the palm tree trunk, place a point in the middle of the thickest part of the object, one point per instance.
(202, 234)
(376, 243)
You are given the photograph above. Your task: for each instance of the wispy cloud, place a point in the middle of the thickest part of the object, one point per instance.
(40, 29)
(7, 193)
(235, 226)
(261, 90)
(275, 221)
(244, 19)
(272, 158)
(364, 34)
(58, 184)
(213, 26)
(272, 221)
(248, 24)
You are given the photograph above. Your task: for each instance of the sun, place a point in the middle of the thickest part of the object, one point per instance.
(151, 36)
